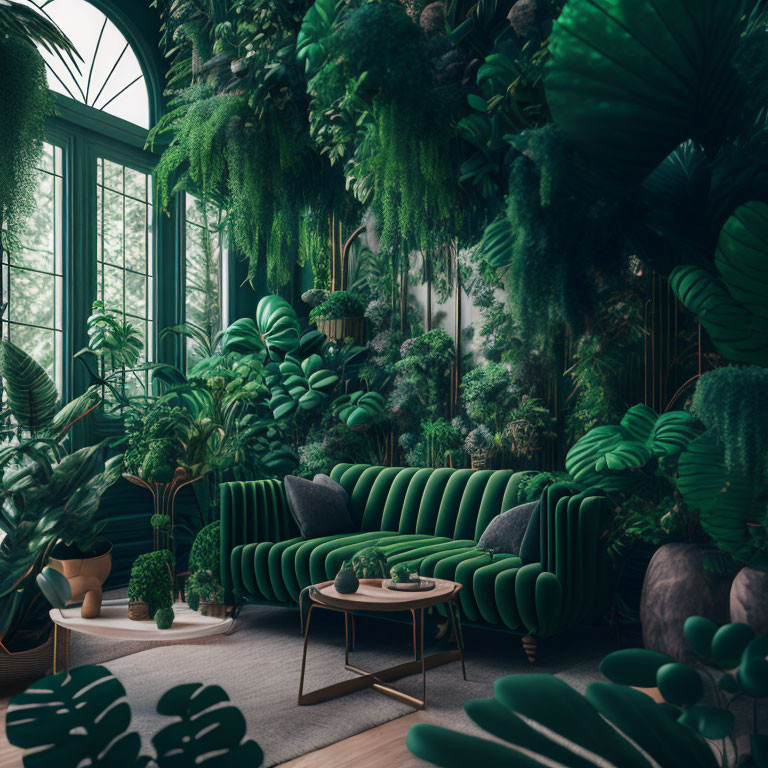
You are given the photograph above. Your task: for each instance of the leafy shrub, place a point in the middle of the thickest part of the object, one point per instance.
(164, 618)
(339, 304)
(203, 587)
(151, 582)
(205, 552)
(489, 393)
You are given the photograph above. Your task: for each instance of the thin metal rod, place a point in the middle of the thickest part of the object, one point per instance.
(423, 665)
(455, 623)
(415, 654)
(304, 653)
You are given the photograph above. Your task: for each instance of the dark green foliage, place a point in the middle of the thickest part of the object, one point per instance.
(206, 550)
(614, 721)
(151, 581)
(532, 485)
(732, 403)
(81, 717)
(558, 242)
(489, 393)
(164, 618)
(27, 100)
(203, 587)
(339, 304)
(369, 563)
(421, 383)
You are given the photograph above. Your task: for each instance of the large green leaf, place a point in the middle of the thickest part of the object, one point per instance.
(278, 325)
(606, 456)
(572, 724)
(30, 391)
(733, 305)
(630, 80)
(205, 733)
(79, 717)
(723, 499)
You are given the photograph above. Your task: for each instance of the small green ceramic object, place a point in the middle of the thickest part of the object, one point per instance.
(403, 573)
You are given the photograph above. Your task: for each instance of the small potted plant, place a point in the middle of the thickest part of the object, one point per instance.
(210, 593)
(341, 316)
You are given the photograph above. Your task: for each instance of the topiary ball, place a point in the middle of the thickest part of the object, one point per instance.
(369, 563)
(205, 552)
(404, 573)
(164, 618)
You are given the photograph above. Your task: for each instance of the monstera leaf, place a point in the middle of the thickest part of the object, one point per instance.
(723, 499)
(80, 717)
(496, 246)
(733, 306)
(278, 325)
(30, 392)
(317, 28)
(359, 410)
(634, 724)
(629, 81)
(606, 456)
(242, 337)
(203, 729)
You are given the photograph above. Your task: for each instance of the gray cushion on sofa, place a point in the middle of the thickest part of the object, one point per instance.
(317, 508)
(330, 483)
(505, 532)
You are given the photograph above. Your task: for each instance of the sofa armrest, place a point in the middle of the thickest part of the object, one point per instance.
(251, 512)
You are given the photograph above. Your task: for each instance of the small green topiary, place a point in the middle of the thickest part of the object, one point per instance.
(164, 618)
(151, 580)
(204, 555)
(369, 563)
(203, 558)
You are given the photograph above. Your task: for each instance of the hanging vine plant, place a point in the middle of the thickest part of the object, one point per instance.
(378, 111)
(237, 125)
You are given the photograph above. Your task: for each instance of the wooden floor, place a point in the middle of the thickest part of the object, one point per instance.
(381, 747)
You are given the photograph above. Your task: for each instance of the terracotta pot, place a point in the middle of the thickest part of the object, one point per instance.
(749, 599)
(85, 572)
(213, 610)
(25, 666)
(341, 328)
(677, 586)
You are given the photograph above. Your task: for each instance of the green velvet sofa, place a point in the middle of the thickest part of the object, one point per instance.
(432, 518)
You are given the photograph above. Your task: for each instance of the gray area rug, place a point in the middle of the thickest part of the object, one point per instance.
(259, 664)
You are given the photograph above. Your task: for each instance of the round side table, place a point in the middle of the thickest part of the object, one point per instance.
(372, 597)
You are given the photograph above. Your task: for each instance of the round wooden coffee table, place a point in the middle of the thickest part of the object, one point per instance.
(372, 597)
(115, 624)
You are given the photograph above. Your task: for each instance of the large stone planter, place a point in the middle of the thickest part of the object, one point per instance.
(677, 586)
(749, 599)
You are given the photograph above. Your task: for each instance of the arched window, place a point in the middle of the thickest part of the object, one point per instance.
(97, 232)
(109, 76)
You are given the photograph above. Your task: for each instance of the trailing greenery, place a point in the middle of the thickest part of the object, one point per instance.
(243, 142)
(26, 97)
(732, 403)
(339, 304)
(151, 581)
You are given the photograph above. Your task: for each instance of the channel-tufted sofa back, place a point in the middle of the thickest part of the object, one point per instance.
(457, 503)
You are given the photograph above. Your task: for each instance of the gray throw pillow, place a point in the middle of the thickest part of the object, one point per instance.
(327, 481)
(505, 532)
(319, 510)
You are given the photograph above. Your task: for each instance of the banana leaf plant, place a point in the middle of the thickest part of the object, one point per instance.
(81, 716)
(653, 710)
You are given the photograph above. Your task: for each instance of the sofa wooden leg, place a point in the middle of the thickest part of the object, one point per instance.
(529, 646)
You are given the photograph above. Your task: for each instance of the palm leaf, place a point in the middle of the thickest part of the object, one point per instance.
(629, 81)
(30, 391)
(35, 26)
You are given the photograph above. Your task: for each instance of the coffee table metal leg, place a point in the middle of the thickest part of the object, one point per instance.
(304, 655)
(423, 666)
(455, 626)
